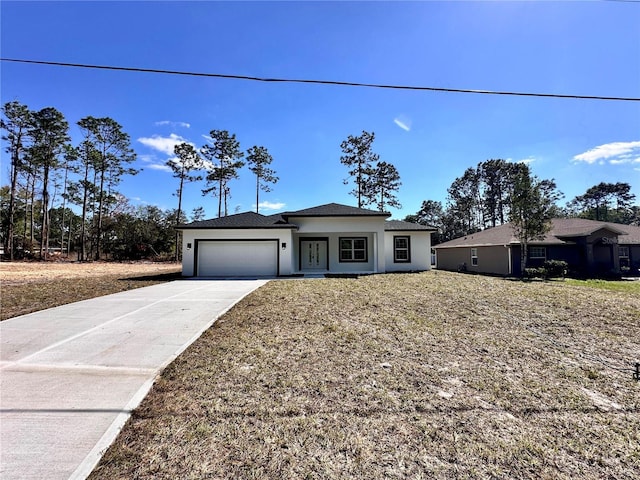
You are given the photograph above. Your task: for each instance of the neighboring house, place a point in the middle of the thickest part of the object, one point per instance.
(330, 238)
(591, 248)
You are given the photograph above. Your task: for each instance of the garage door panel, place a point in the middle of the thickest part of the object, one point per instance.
(237, 258)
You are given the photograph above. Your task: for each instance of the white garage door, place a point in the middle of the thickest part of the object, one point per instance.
(237, 258)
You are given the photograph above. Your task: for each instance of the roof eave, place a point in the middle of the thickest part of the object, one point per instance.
(343, 215)
(244, 227)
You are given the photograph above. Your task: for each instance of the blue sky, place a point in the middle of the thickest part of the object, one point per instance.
(581, 48)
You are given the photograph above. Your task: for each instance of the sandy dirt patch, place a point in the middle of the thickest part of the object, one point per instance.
(19, 273)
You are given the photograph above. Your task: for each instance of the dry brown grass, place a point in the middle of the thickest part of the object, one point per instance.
(31, 286)
(434, 375)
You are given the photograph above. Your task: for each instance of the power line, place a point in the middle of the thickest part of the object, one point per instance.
(320, 82)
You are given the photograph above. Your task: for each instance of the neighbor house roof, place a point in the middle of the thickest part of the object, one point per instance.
(402, 226)
(281, 220)
(563, 231)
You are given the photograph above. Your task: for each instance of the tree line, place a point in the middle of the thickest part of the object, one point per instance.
(63, 196)
(491, 194)
(48, 175)
(46, 169)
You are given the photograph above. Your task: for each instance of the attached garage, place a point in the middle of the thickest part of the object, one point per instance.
(236, 258)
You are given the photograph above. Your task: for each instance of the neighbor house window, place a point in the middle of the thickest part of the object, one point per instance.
(538, 252)
(623, 257)
(353, 249)
(474, 257)
(401, 252)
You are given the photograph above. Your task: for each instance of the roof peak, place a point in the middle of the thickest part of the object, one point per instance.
(334, 210)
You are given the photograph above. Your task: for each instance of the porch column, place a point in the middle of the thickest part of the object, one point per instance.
(376, 252)
(590, 261)
(615, 256)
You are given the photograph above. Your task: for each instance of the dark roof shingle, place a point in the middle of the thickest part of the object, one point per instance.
(335, 210)
(240, 220)
(402, 226)
(281, 220)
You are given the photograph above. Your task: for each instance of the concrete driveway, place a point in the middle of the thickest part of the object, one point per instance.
(70, 376)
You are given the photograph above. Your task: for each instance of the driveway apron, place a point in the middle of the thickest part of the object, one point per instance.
(70, 376)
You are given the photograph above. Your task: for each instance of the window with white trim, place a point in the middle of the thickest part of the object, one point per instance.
(353, 249)
(623, 252)
(474, 257)
(538, 252)
(402, 249)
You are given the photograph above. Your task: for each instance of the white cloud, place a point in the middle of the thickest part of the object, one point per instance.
(151, 162)
(159, 166)
(139, 200)
(173, 124)
(526, 161)
(208, 166)
(147, 158)
(403, 122)
(615, 153)
(271, 205)
(162, 144)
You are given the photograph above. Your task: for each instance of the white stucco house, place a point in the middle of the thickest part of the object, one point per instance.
(326, 239)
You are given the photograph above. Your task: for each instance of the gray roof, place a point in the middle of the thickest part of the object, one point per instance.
(563, 232)
(335, 210)
(281, 220)
(240, 220)
(402, 226)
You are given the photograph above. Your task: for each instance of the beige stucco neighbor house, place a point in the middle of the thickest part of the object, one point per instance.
(591, 248)
(326, 239)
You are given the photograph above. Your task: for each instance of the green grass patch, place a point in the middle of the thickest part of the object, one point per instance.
(614, 286)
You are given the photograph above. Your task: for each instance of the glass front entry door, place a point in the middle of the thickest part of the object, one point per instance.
(313, 255)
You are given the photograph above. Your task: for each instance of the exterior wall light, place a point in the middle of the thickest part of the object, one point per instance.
(284, 245)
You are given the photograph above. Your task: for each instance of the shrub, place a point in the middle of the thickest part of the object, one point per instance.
(531, 272)
(555, 268)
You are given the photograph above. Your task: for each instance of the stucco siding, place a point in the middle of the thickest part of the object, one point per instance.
(420, 251)
(191, 237)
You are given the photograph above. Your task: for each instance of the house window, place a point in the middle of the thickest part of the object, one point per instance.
(623, 252)
(538, 252)
(353, 249)
(474, 257)
(401, 249)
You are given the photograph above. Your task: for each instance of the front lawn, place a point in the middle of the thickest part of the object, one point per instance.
(433, 375)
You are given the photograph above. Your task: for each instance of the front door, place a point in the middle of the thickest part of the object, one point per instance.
(313, 255)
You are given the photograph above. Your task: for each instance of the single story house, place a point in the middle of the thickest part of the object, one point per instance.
(591, 248)
(330, 238)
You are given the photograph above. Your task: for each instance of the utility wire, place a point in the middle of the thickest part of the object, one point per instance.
(320, 82)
